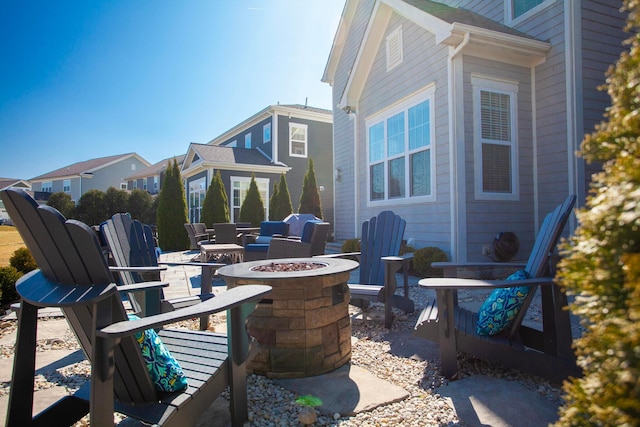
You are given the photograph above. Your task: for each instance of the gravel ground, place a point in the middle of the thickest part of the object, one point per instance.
(271, 405)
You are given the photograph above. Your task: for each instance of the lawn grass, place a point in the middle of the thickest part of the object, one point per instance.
(10, 240)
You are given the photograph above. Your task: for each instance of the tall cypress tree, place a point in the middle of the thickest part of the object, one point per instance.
(273, 204)
(284, 199)
(310, 198)
(172, 211)
(215, 208)
(252, 209)
(602, 260)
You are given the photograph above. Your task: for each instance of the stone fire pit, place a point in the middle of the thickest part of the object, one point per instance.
(303, 326)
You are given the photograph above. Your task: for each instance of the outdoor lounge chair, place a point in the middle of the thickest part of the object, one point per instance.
(312, 242)
(546, 353)
(132, 249)
(197, 233)
(256, 247)
(74, 277)
(380, 260)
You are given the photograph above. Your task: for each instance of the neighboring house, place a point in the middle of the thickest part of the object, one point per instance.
(279, 139)
(6, 183)
(151, 178)
(464, 117)
(95, 174)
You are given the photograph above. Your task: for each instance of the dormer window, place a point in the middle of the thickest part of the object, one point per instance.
(516, 9)
(394, 48)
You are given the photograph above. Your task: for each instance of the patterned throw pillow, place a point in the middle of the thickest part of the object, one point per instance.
(502, 306)
(165, 371)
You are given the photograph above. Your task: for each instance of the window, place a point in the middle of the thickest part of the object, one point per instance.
(66, 185)
(394, 48)
(47, 186)
(240, 186)
(518, 8)
(135, 184)
(495, 136)
(297, 140)
(266, 133)
(155, 183)
(197, 193)
(123, 185)
(233, 144)
(400, 154)
(247, 140)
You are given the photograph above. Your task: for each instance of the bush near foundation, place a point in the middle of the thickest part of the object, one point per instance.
(422, 259)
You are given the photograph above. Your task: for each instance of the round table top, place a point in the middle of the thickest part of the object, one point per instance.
(243, 270)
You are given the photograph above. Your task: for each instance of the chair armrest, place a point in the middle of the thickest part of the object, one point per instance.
(454, 283)
(451, 269)
(150, 269)
(229, 299)
(193, 264)
(340, 255)
(142, 286)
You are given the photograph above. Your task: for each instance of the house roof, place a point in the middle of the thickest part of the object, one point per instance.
(296, 110)
(87, 167)
(205, 156)
(156, 168)
(13, 182)
(452, 26)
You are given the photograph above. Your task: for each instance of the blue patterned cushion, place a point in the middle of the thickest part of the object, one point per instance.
(502, 306)
(165, 371)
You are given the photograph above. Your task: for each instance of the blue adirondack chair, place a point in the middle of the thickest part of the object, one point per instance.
(380, 260)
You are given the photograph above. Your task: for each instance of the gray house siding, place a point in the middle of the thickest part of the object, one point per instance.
(347, 223)
(319, 141)
(257, 140)
(424, 64)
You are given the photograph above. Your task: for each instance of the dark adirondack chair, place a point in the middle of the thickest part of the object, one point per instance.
(197, 233)
(226, 232)
(379, 262)
(545, 353)
(74, 276)
(133, 252)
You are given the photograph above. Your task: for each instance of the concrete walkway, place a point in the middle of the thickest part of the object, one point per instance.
(478, 400)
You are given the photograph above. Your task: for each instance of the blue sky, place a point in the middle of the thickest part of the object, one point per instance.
(86, 79)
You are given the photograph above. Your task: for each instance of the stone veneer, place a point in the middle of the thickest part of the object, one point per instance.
(303, 326)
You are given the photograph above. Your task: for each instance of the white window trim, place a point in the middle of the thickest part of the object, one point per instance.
(427, 93)
(264, 131)
(509, 18)
(259, 181)
(510, 88)
(66, 188)
(394, 60)
(306, 141)
(46, 185)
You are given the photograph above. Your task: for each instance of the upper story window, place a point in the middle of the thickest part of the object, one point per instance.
(247, 140)
(394, 48)
(266, 133)
(233, 144)
(297, 140)
(520, 8)
(495, 138)
(123, 185)
(66, 185)
(400, 152)
(47, 186)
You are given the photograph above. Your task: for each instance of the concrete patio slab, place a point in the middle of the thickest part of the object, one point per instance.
(347, 391)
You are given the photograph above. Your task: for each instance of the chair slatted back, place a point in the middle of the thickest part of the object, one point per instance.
(69, 255)
(538, 263)
(319, 237)
(381, 236)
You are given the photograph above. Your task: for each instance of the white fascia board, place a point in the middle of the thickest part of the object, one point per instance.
(236, 167)
(441, 29)
(339, 40)
(303, 114)
(366, 54)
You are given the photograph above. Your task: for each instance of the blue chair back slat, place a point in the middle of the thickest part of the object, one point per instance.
(381, 236)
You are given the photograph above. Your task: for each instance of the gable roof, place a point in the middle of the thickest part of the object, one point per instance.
(12, 182)
(87, 167)
(294, 110)
(156, 168)
(464, 30)
(205, 156)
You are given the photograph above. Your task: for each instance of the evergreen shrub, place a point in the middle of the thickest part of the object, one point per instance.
(422, 259)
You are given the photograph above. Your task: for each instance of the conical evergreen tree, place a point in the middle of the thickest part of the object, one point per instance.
(215, 208)
(172, 211)
(285, 208)
(601, 263)
(252, 208)
(310, 198)
(273, 203)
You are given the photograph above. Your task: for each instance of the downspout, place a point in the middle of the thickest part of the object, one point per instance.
(353, 115)
(534, 136)
(453, 152)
